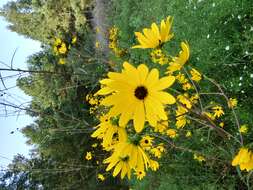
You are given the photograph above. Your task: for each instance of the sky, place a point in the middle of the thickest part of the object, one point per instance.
(12, 141)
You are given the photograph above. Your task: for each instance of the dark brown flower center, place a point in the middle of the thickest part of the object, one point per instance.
(146, 141)
(141, 92)
(59, 46)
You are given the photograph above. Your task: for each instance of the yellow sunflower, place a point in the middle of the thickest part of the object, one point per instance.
(127, 156)
(244, 159)
(88, 156)
(153, 37)
(137, 94)
(108, 131)
(59, 46)
(178, 62)
(140, 174)
(146, 142)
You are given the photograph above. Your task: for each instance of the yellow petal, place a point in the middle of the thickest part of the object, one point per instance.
(164, 97)
(152, 40)
(155, 31)
(104, 91)
(128, 114)
(157, 107)
(163, 32)
(152, 78)
(139, 117)
(117, 169)
(151, 117)
(123, 171)
(143, 72)
(142, 39)
(164, 82)
(133, 159)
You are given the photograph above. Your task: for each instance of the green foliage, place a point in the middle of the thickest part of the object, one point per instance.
(46, 20)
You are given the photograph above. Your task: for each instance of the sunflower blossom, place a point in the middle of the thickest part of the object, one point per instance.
(146, 142)
(127, 156)
(243, 129)
(244, 159)
(198, 157)
(60, 47)
(153, 37)
(88, 156)
(218, 111)
(101, 177)
(137, 94)
(108, 131)
(140, 174)
(178, 62)
(232, 103)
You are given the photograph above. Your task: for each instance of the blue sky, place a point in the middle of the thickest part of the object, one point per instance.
(11, 144)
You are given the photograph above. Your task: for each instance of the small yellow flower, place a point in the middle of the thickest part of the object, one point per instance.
(59, 46)
(221, 124)
(232, 103)
(94, 145)
(181, 122)
(157, 56)
(156, 152)
(97, 44)
(74, 39)
(218, 111)
(178, 62)
(183, 99)
(187, 86)
(172, 133)
(181, 78)
(101, 177)
(154, 37)
(62, 49)
(140, 174)
(243, 129)
(146, 141)
(188, 134)
(88, 156)
(161, 148)
(154, 165)
(194, 98)
(196, 76)
(62, 61)
(161, 127)
(244, 159)
(209, 115)
(198, 157)
(97, 29)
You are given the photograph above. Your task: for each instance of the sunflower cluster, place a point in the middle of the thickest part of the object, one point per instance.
(141, 106)
(158, 56)
(61, 48)
(94, 101)
(113, 42)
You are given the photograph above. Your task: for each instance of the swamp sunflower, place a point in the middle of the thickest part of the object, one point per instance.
(127, 156)
(153, 37)
(178, 62)
(137, 94)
